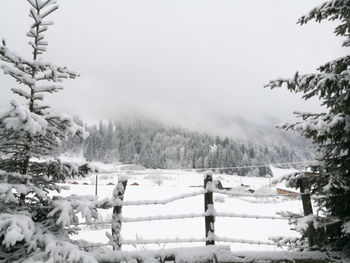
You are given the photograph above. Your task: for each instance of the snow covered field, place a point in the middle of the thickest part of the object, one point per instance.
(162, 184)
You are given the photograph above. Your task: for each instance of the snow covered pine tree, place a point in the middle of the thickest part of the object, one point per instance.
(329, 131)
(35, 227)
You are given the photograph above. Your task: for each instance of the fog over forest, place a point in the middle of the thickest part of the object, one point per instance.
(198, 64)
(155, 145)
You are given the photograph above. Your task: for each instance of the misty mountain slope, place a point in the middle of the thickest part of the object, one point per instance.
(261, 132)
(156, 145)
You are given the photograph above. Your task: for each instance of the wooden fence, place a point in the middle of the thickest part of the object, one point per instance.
(209, 214)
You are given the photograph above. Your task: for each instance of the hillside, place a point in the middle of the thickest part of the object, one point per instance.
(156, 145)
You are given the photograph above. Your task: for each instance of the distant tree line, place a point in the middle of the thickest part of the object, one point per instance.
(154, 145)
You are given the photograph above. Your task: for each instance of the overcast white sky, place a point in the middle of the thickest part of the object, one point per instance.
(181, 60)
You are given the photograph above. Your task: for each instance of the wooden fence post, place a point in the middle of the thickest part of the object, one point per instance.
(307, 207)
(209, 205)
(118, 194)
(96, 182)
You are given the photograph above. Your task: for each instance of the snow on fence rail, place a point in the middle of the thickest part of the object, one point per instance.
(209, 214)
(194, 215)
(229, 193)
(159, 202)
(183, 196)
(186, 216)
(193, 240)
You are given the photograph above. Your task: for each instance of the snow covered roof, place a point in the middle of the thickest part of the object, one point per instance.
(278, 174)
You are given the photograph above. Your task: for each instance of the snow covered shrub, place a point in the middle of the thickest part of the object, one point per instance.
(34, 226)
(329, 131)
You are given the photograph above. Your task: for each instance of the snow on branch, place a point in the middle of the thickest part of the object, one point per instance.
(291, 242)
(10, 191)
(346, 228)
(304, 222)
(33, 3)
(49, 89)
(46, 13)
(37, 13)
(33, 14)
(55, 74)
(300, 221)
(64, 213)
(321, 124)
(7, 56)
(20, 75)
(322, 85)
(29, 130)
(337, 65)
(57, 247)
(20, 118)
(21, 92)
(65, 124)
(43, 3)
(65, 209)
(331, 10)
(7, 175)
(283, 177)
(16, 228)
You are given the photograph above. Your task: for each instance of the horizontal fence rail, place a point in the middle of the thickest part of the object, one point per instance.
(212, 189)
(229, 193)
(186, 216)
(159, 202)
(145, 241)
(141, 241)
(116, 241)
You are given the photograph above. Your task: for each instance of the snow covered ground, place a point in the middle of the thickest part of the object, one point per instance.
(162, 184)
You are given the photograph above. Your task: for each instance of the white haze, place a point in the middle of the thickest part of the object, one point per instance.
(194, 63)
